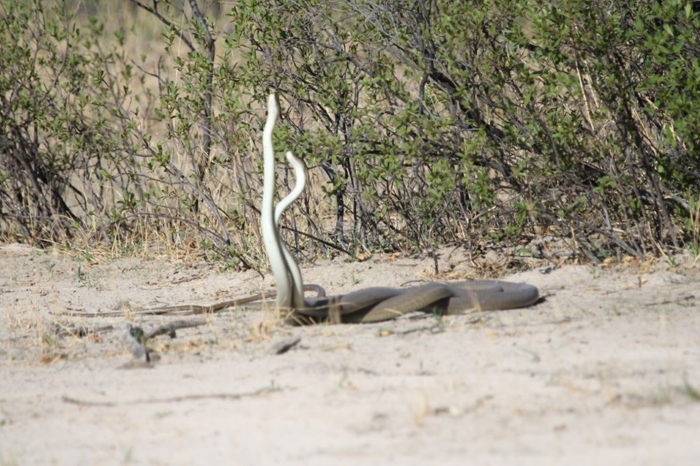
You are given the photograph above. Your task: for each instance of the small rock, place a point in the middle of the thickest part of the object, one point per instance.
(135, 339)
(285, 344)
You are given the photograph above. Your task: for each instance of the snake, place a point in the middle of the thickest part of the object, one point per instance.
(368, 305)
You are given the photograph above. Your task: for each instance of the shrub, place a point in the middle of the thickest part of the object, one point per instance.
(422, 123)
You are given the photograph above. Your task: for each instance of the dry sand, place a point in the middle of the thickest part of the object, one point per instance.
(605, 371)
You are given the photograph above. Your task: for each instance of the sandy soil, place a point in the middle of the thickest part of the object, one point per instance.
(605, 371)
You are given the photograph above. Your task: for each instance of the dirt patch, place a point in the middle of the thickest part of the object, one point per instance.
(605, 371)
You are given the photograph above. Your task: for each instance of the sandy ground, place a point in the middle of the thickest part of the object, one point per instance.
(605, 371)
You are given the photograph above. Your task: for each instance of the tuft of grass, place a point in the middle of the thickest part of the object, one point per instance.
(689, 391)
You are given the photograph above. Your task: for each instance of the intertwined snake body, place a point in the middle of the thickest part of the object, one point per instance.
(370, 304)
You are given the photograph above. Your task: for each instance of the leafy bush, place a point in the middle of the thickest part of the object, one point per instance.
(421, 122)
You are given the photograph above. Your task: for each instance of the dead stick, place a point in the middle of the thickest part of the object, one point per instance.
(172, 326)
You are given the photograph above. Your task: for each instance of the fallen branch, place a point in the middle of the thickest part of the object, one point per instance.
(169, 329)
(135, 338)
(81, 331)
